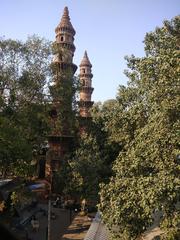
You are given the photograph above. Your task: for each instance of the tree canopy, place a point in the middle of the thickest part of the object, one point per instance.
(24, 76)
(146, 123)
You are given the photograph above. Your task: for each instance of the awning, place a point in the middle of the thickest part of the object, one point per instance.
(36, 186)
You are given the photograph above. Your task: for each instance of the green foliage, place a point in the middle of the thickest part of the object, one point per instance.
(101, 116)
(145, 122)
(24, 76)
(15, 151)
(62, 179)
(92, 161)
(63, 92)
(86, 167)
(172, 227)
(64, 103)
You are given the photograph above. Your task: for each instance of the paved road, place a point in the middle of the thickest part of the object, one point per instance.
(58, 225)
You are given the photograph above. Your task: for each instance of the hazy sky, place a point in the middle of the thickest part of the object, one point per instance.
(107, 29)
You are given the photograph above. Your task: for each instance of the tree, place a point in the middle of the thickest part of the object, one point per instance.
(94, 154)
(86, 168)
(146, 124)
(109, 149)
(24, 77)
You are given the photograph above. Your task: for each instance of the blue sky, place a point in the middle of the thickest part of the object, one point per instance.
(107, 29)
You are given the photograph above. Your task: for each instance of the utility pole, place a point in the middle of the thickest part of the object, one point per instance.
(49, 209)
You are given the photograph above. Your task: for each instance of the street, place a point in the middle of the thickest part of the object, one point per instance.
(59, 224)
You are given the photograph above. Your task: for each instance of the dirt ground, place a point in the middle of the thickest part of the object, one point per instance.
(78, 228)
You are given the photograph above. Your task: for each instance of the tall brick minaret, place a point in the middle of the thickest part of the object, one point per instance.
(61, 91)
(86, 90)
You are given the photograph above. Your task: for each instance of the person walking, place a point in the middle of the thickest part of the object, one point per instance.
(35, 223)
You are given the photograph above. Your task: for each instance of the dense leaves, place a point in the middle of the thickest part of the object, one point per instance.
(94, 155)
(24, 76)
(146, 124)
(86, 167)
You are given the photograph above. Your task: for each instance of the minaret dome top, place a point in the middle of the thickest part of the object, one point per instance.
(65, 22)
(85, 61)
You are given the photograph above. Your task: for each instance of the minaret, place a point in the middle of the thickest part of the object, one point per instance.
(86, 90)
(65, 42)
(61, 91)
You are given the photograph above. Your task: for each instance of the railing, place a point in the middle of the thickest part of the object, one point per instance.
(97, 230)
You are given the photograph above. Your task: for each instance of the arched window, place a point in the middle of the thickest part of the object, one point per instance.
(62, 38)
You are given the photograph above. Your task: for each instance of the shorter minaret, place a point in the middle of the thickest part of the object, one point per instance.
(86, 90)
